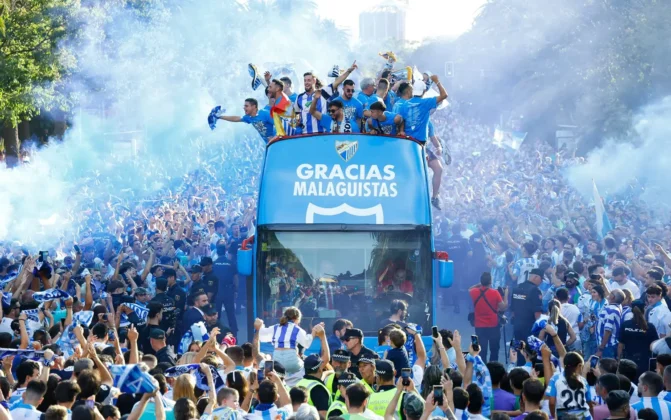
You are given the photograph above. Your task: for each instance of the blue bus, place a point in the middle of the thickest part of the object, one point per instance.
(343, 229)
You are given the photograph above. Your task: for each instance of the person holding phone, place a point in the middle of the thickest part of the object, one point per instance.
(380, 400)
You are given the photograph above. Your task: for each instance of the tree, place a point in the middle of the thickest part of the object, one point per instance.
(31, 62)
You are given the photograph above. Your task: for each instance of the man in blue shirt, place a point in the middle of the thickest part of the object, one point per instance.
(382, 121)
(387, 95)
(260, 120)
(352, 107)
(367, 96)
(288, 90)
(415, 110)
(334, 121)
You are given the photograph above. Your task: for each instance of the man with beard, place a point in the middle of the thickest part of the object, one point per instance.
(341, 362)
(211, 317)
(571, 280)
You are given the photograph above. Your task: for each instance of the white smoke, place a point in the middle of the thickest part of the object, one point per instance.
(645, 159)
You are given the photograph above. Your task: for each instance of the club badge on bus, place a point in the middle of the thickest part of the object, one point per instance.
(346, 149)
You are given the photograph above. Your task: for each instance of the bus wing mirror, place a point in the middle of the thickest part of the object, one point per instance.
(445, 269)
(246, 257)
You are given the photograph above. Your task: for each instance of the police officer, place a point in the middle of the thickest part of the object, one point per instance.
(386, 390)
(227, 287)
(318, 395)
(175, 292)
(197, 283)
(527, 306)
(339, 407)
(341, 362)
(163, 352)
(459, 249)
(169, 318)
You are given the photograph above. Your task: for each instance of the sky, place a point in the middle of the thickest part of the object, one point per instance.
(425, 18)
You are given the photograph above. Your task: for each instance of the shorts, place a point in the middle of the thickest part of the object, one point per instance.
(430, 155)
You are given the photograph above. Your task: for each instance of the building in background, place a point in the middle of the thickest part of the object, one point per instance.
(386, 21)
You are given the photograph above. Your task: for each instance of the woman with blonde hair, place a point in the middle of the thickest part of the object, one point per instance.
(184, 386)
(285, 337)
(187, 358)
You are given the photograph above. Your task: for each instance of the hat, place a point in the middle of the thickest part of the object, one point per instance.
(196, 269)
(205, 261)
(141, 291)
(209, 309)
(538, 272)
(367, 359)
(157, 334)
(352, 333)
(312, 363)
(413, 405)
(384, 367)
(418, 88)
(571, 274)
(347, 379)
(341, 356)
(638, 304)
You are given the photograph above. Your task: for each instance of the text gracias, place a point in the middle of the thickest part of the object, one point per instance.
(355, 181)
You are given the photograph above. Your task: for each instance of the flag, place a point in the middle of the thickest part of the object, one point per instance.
(175, 371)
(7, 298)
(132, 380)
(283, 116)
(51, 294)
(8, 280)
(510, 139)
(603, 225)
(141, 311)
(201, 379)
(214, 115)
(83, 318)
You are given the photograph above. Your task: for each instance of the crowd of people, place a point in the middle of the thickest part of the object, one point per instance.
(154, 284)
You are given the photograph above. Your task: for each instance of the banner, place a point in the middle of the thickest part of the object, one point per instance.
(510, 139)
(603, 225)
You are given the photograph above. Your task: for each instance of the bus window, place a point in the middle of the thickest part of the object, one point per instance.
(353, 275)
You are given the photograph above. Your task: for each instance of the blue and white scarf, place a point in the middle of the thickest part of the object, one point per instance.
(216, 112)
(24, 353)
(132, 380)
(201, 379)
(49, 295)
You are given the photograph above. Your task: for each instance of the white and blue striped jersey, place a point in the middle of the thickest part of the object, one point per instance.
(23, 411)
(610, 318)
(523, 267)
(263, 412)
(575, 401)
(286, 336)
(661, 407)
(302, 106)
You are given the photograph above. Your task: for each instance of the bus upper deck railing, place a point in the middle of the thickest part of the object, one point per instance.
(299, 136)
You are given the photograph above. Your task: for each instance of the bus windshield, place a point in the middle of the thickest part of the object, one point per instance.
(352, 275)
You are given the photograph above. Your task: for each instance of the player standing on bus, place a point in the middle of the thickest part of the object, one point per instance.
(334, 121)
(382, 121)
(260, 120)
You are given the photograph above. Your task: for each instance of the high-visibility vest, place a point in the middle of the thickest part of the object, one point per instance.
(310, 384)
(379, 401)
(337, 405)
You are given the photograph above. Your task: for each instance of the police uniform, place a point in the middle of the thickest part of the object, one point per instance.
(338, 406)
(169, 318)
(318, 395)
(526, 301)
(164, 355)
(179, 296)
(380, 400)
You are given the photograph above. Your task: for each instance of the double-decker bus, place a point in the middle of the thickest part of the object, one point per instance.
(343, 229)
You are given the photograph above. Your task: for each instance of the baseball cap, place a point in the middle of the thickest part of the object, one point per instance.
(205, 261)
(341, 356)
(538, 272)
(418, 88)
(209, 309)
(413, 405)
(196, 269)
(352, 333)
(367, 359)
(312, 363)
(384, 367)
(157, 334)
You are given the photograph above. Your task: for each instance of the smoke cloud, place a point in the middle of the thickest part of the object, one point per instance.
(157, 75)
(643, 160)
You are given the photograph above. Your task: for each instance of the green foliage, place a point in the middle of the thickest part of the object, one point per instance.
(31, 62)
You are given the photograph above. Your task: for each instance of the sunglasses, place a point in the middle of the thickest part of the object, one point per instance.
(349, 90)
(346, 339)
(332, 111)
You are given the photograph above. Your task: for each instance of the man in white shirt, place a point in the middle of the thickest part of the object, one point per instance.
(475, 402)
(10, 316)
(26, 409)
(657, 313)
(620, 281)
(571, 313)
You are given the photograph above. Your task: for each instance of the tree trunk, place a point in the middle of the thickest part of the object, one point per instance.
(12, 144)
(24, 130)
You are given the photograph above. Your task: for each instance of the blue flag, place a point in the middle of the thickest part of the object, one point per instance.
(603, 225)
(131, 379)
(216, 112)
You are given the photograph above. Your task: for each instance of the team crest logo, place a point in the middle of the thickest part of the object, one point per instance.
(347, 149)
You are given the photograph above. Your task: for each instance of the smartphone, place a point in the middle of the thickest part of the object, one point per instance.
(77, 249)
(90, 403)
(434, 332)
(652, 364)
(475, 342)
(260, 376)
(269, 366)
(438, 395)
(593, 362)
(43, 256)
(405, 375)
(110, 335)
